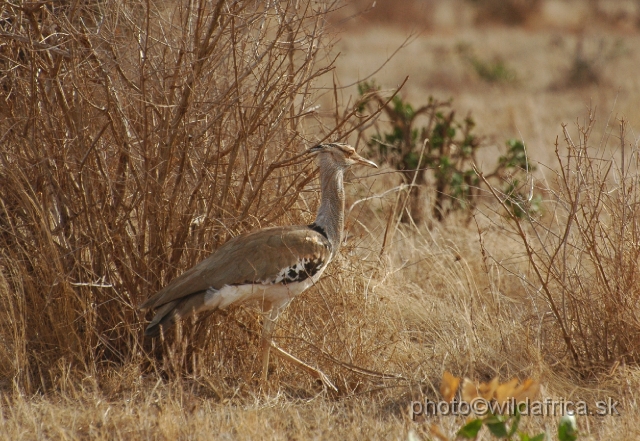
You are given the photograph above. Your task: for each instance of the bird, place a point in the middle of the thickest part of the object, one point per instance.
(270, 266)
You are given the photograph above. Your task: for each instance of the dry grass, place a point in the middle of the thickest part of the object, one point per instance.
(138, 137)
(583, 254)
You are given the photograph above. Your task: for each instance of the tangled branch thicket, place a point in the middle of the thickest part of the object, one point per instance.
(135, 138)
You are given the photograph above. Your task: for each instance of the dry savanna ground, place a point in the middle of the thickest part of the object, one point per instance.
(136, 137)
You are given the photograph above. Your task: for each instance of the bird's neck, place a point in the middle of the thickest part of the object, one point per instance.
(330, 215)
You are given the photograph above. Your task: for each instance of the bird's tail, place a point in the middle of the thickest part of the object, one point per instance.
(173, 311)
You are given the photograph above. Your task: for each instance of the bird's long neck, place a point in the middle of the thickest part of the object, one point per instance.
(330, 215)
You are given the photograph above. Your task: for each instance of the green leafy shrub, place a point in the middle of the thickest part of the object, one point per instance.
(521, 204)
(445, 146)
(495, 70)
(500, 426)
(502, 421)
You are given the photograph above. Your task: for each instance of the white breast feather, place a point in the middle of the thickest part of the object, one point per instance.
(273, 292)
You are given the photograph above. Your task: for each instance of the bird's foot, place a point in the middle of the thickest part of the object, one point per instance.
(324, 379)
(313, 371)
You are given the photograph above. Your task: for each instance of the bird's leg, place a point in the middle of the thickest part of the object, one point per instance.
(268, 343)
(313, 371)
(267, 333)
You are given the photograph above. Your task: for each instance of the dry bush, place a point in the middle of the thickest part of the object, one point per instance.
(583, 256)
(511, 12)
(135, 138)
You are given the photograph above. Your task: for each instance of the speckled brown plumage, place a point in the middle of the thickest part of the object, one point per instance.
(270, 266)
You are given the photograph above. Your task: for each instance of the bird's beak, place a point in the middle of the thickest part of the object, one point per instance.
(360, 160)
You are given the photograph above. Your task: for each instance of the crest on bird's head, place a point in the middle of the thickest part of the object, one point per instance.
(340, 153)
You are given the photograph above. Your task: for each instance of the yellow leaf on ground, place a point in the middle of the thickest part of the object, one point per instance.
(469, 390)
(528, 389)
(505, 390)
(501, 393)
(449, 386)
(488, 389)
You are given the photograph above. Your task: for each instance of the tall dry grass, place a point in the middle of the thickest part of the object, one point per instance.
(582, 256)
(135, 138)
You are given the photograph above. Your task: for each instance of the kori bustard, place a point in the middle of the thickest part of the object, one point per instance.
(270, 266)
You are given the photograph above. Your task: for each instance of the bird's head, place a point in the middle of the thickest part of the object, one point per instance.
(339, 154)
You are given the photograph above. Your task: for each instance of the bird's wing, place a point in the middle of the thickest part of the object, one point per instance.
(264, 256)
